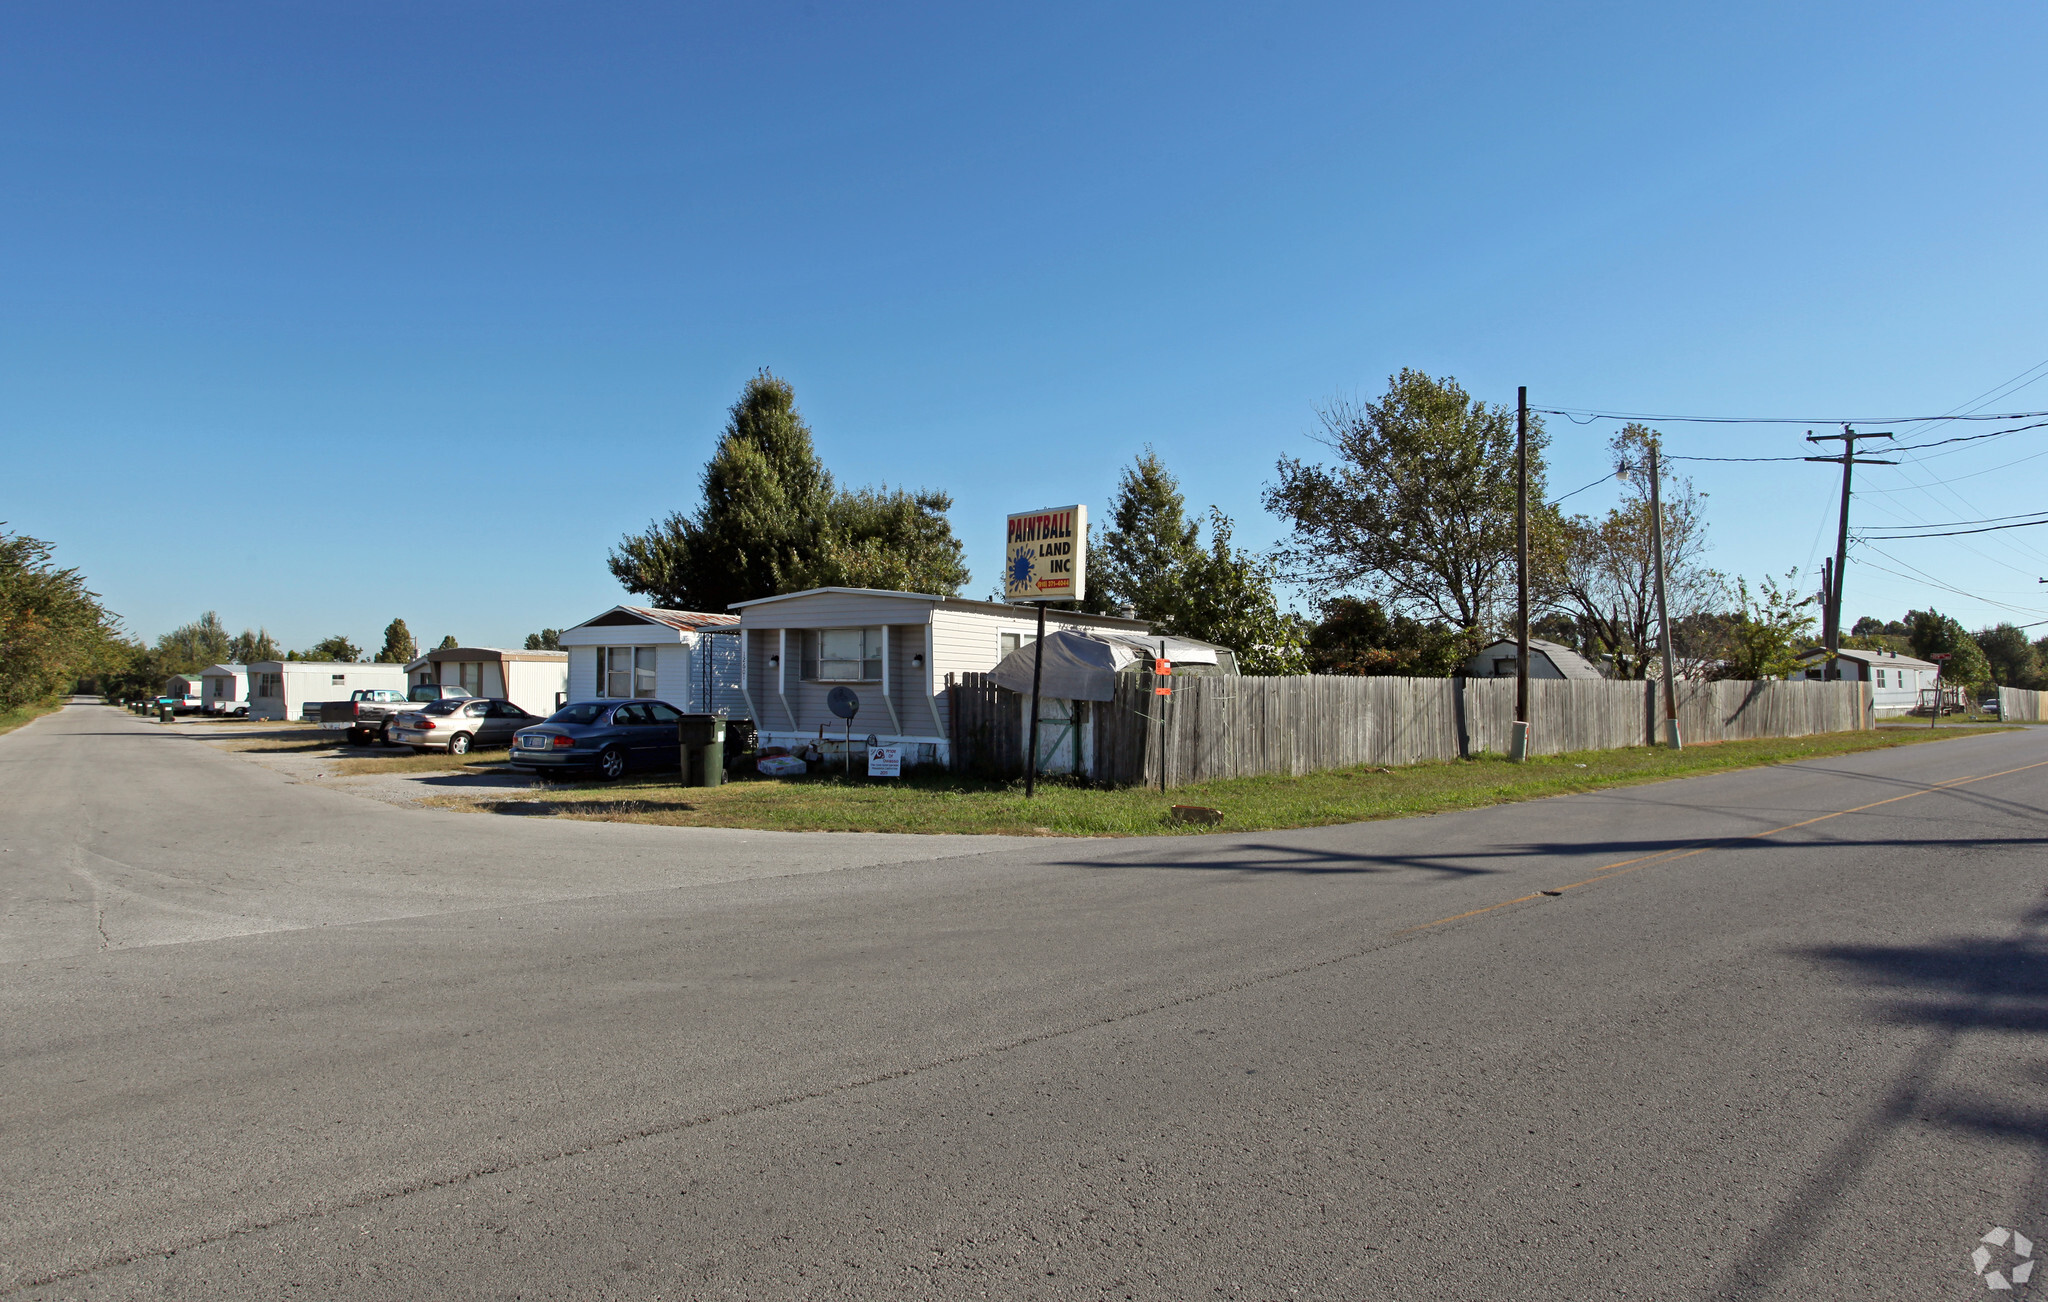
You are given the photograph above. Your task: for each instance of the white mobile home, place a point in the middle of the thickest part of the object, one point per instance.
(535, 681)
(688, 658)
(224, 689)
(1895, 680)
(282, 689)
(894, 649)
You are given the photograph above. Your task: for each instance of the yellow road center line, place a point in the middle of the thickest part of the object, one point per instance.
(1623, 867)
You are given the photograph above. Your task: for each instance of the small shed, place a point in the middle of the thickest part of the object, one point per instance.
(895, 650)
(689, 658)
(1079, 672)
(1895, 680)
(224, 689)
(182, 686)
(535, 681)
(1546, 660)
(282, 689)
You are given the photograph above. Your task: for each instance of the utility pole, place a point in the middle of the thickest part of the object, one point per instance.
(1518, 745)
(1037, 672)
(1671, 737)
(1831, 623)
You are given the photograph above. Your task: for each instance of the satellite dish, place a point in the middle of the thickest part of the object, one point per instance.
(843, 702)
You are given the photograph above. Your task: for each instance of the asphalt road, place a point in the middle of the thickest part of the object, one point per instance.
(1780, 1035)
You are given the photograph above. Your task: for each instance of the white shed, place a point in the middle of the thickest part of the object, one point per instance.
(535, 681)
(282, 689)
(224, 689)
(688, 658)
(894, 649)
(1546, 660)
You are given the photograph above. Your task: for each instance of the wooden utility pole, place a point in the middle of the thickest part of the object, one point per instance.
(1518, 746)
(1671, 737)
(1831, 622)
(1037, 676)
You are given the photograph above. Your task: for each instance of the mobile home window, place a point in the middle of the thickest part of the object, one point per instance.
(846, 655)
(339, 679)
(268, 685)
(469, 676)
(1880, 678)
(628, 671)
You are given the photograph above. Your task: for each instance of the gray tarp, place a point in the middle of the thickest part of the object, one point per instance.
(1083, 666)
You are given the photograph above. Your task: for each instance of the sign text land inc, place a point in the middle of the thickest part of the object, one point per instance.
(1045, 555)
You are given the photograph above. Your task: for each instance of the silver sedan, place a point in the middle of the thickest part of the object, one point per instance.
(459, 726)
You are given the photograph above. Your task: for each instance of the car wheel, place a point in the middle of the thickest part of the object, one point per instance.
(355, 737)
(611, 765)
(459, 744)
(384, 735)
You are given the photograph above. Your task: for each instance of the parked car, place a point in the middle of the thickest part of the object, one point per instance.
(458, 725)
(1989, 705)
(188, 704)
(602, 737)
(368, 713)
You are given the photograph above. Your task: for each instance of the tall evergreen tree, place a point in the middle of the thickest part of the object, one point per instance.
(246, 648)
(52, 628)
(1141, 560)
(548, 639)
(772, 521)
(399, 647)
(448, 643)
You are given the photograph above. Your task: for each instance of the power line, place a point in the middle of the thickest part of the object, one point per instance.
(1953, 524)
(1957, 533)
(1575, 415)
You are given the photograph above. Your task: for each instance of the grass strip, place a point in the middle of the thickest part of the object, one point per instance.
(935, 803)
(21, 714)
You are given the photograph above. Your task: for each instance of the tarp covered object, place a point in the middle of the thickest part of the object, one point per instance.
(1077, 667)
(1083, 666)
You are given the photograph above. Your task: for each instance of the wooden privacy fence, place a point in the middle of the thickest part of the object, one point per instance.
(2021, 706)
(1224, 727)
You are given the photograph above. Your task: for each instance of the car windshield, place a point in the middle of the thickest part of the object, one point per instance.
(442, 707)
(587, 712)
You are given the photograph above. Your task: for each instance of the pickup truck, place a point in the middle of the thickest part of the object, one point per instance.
(368, 712)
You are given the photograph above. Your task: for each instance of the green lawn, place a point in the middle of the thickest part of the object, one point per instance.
(12, 719)
(944, 803)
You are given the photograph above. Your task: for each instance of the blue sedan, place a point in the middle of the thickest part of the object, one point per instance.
(605, 738)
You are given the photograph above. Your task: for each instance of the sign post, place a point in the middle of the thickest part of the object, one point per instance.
(1045, 558)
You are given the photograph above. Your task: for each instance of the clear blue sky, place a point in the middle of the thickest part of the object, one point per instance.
(275, 272)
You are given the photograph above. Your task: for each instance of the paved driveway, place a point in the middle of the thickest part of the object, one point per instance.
(262, 1036)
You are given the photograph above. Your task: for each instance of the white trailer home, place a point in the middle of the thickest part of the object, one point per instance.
(224, 689)
(1895, 680)
(894, 649)
(688, 658)
(282, 689)
(535, 681)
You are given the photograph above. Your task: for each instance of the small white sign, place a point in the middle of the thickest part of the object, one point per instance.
(885, 761)
(1045, 555)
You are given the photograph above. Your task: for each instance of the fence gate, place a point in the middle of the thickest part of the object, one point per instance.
(715, 674)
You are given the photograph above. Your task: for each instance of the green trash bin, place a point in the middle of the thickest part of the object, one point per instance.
(163, 712)
(703, 739)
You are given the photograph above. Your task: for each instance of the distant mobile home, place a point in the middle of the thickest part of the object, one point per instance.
(895, 650)
(281, 689)
(1895, 680)
(535, 681)
(224, 689)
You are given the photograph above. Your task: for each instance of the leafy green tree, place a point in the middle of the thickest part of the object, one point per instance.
(1361, 637)
(1226, 597)
(896, 541)
(1934, 634)
(448, 643)
(772, 521)
(1770, 627)
(336, 648)
(548, 639)
(249, 647)
(2012, 659)
(53, 629)
(1142, 559)
(191, 647)
(399, 647)
(1418, 508)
